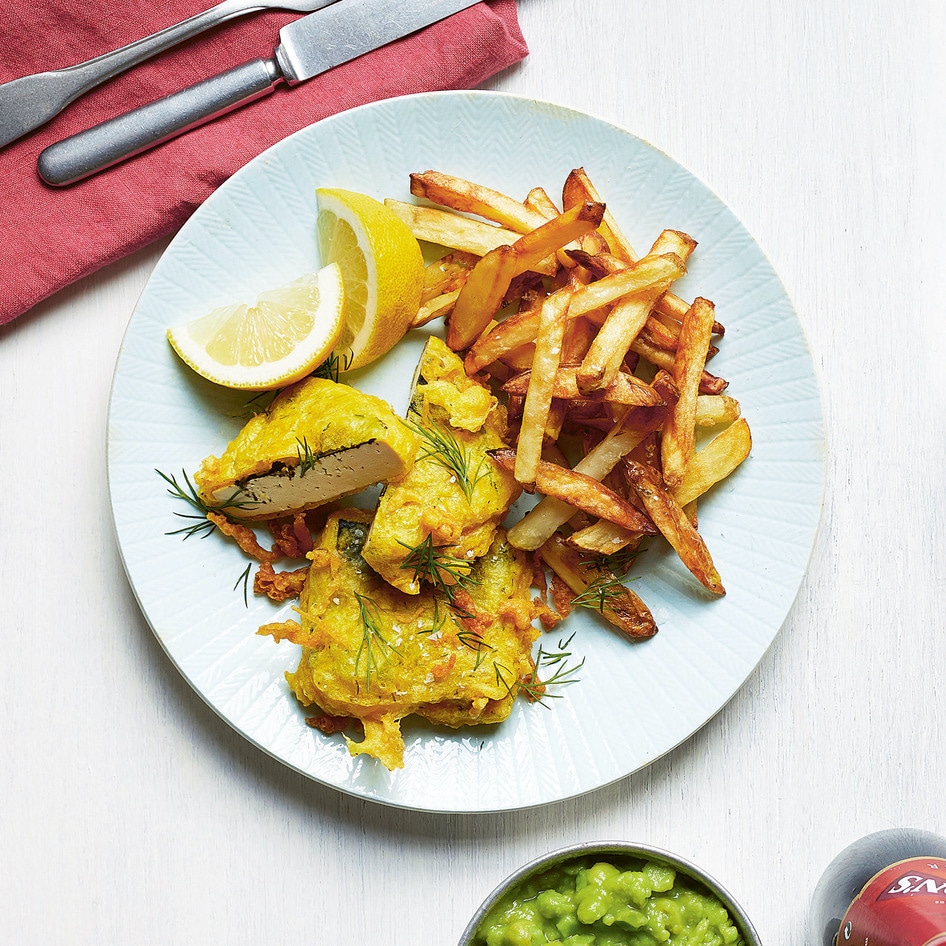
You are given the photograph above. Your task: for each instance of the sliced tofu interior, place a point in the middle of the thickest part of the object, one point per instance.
(318, 441)
(314, 482)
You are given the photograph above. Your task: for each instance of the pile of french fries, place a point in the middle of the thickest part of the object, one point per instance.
(615, 420)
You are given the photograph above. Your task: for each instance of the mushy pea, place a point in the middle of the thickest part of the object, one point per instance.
(587, 902)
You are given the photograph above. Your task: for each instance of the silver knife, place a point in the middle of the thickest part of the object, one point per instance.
(307, 47)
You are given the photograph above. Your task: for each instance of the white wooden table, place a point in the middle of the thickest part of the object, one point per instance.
(130, 813)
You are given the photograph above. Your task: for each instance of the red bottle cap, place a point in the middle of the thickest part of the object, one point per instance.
(902, 905)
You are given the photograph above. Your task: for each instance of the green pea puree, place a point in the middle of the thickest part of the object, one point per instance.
(587, 902)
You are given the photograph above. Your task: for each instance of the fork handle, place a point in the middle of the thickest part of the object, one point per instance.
(31, 101)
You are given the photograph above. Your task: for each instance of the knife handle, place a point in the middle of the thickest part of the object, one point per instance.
(101, 146)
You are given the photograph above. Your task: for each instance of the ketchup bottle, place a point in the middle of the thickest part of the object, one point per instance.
(887, 889)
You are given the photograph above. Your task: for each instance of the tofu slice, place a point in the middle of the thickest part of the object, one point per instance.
(319, 441)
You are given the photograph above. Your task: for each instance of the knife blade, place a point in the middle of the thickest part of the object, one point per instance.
(307, 48)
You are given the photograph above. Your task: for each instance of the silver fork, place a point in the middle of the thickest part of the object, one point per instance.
(31, 101)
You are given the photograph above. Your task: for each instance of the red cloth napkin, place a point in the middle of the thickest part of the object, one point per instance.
(50, 237)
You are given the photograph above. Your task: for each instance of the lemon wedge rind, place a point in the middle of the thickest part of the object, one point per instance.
(382, 268)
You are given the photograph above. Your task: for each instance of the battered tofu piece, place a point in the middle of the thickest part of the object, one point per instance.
(318, 441)
(372, 652)
(455, 495)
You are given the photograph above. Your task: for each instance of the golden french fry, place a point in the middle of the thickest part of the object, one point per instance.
(660, 336)
(674, 525)
(666, 336)
(624, 389)
(674, 241)
(603, 538)
(714, 462)
(447, 273)
(709, 384)
(679, 433)
(538, 200)
(556, 233)
(647, 272)
(537, 525)
(671, 314)
(612, 343)
(548, 350)
(476, 305)
(673, 307)
(582, 492)
(579, 335)
(715, 409)
(453, 230)
(481, 296)
(467, 197)
(600, 589)
(438, 307)
(512, 333)
(627, 318)
(555, 421)
(578, 187)
(520, 359)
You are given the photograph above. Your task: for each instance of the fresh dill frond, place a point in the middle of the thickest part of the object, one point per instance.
(333, 366)
(442, 445)
(504, 676)
(188, 494)
(622, 561)
(307, 459)
(258, 404)
(245, 579)
(535, 688)
(466, 636)
(432, 564)
(438, 621)
(371, 636)
(475, 642)
(604, 589)
(201, 527)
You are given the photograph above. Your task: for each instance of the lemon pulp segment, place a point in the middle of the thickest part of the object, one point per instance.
(283, 336)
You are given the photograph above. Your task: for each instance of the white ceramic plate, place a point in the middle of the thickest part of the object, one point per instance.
(634, 702)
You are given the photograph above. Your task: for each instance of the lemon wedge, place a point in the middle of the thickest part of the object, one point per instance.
(280, 339)
(382, 269)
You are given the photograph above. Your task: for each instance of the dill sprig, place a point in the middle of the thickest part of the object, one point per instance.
(188, 494)
(504, 676)
(258, 404)
(620, 562)
(438, 621)
(332, 366)
(536, 689)
(475, 642)
(465, 635)
(432, 564)
(245, 579)
(604, 589)
(371, 636)
(307, 459)
(444, 446)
